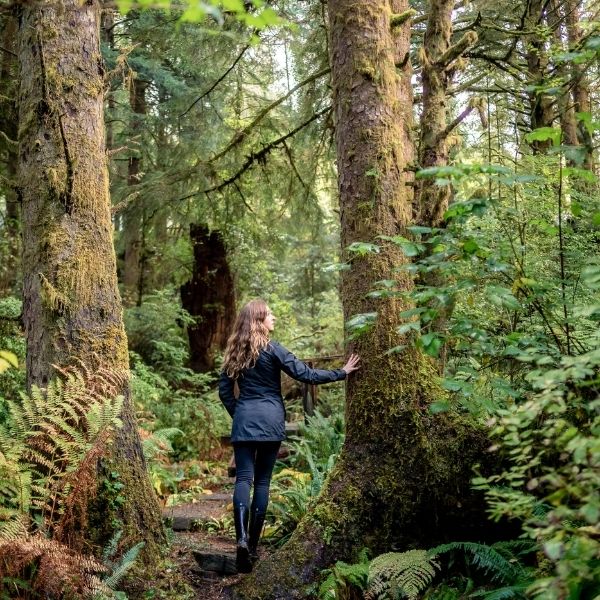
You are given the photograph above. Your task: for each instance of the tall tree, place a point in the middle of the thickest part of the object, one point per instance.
(71, 303)
(403, 474)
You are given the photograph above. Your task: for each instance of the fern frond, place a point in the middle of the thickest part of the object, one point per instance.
(492, 562)
(124, 565)
(111, 548)
(407, 573)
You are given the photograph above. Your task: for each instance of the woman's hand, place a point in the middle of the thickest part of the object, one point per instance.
(352, 364)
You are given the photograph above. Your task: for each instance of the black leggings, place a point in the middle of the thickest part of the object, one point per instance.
(254, 461)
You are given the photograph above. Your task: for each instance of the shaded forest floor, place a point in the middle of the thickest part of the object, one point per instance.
(202, 548)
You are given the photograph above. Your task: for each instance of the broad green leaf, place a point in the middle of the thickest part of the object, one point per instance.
(543, 134)
(363, 248)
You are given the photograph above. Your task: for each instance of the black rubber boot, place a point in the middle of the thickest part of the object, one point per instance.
(257, 520)
(242, 555)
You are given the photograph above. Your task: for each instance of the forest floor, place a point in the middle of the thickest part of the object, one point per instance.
(202, 550)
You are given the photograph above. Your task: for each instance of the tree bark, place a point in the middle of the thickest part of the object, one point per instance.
(209, 298)
(581, 86)
(71, 304)
(402, 478)
(541, 109)
(133, 217)
(564, 103)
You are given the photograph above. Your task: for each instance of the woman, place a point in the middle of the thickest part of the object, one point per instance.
(255, 363)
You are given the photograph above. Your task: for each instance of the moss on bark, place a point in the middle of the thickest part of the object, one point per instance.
(71, 304)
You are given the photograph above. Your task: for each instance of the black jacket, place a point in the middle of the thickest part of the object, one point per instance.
(258, 414)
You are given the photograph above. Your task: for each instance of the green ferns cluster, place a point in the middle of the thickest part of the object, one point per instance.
(410, 574)
(401, 574)
(49, 450)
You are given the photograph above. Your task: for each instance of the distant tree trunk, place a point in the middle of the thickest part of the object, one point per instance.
(439, 61)
(541, 106)
(133, 215)
(71, 303)
(209, 297)
(402, 478)
(564, 102)
(10, 268)
(581, 85)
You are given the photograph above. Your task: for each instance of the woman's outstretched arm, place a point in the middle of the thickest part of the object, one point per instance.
(299, 370)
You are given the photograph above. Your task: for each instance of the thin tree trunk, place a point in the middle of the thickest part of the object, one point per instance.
(403, 475)
(581, 85)
(10, 269)
(133, 216)
(71, 304)
(542, 113)
(565, 104)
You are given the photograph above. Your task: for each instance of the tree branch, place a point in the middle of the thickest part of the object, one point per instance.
(257, 156)
(216, 83)
(466, 41)
(240, 136)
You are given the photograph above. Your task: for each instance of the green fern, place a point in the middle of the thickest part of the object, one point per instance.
(49, 448)
(343, 576)
(492, 560)
(120, 569)
(45, 441)
(401, 574)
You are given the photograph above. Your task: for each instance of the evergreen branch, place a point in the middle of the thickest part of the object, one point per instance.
(240, 136)
(216, 83)
(257, 156)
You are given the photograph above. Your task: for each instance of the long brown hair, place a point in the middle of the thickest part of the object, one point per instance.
(250, 335)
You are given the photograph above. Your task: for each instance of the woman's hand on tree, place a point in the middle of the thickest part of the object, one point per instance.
(352, 364)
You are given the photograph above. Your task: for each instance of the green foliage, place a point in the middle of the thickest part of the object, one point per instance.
(294, 490)
(156, 331)
(195, 419)
(49, 450)
(12, 340)
(343, 579)
(401, 574)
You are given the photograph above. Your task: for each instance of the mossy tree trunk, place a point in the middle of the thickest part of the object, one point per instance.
(439, 61)
(541, 105)
(71, 304)
(580, 82)
(402, 479)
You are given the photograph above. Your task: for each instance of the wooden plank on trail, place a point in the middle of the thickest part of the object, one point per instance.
(224, 564)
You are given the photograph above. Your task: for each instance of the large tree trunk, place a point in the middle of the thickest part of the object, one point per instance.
(402, 478)
(209, 298)
(71, 304)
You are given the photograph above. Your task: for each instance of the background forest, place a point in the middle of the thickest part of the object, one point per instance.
(416, 183)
